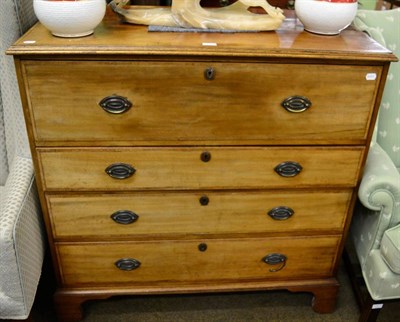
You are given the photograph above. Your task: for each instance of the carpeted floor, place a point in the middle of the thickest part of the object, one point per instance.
(269, 306)
(232, 307)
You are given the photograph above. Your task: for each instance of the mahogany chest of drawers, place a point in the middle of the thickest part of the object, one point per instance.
(177, 162)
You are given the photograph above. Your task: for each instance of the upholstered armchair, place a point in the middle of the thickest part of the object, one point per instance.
(375, 229)
(21, 233)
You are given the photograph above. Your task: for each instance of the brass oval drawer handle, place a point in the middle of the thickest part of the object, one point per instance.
(281, 213)
(296, 104)
(275, 259)
(120, 170)
(127, 264)
(288, 169)
(115, 104)
(124, 217)
(209, 73)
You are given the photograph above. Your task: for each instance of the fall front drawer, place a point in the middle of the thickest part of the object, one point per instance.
(208, 212)
(198, 168)
(194, 261)
(210, 102)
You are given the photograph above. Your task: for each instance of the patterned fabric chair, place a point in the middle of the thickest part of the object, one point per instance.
(21, 233)
(375, 229)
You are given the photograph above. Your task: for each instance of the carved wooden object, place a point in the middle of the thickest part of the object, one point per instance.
(190, 14)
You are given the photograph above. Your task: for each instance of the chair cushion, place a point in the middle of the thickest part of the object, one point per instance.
(382, 283)
(390, 249)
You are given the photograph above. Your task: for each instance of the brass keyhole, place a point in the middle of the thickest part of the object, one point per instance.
(205, 156)
(204, 200)
(209, 73)
(202, 247)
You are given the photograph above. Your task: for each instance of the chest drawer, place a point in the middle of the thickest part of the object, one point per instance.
(174, 102)
(202, 213)
(198, 168)
(194, 261)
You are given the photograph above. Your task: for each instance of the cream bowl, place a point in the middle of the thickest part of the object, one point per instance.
(70, 18)
(326, 17)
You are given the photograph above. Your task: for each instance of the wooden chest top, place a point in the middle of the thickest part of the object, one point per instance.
(112, 37)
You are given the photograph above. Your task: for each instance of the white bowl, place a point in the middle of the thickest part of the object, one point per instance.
(326, 17)
(70, 18)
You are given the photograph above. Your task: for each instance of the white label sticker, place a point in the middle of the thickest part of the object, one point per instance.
(377, 306)
(370, 76)
(29, 41)
(210, 44)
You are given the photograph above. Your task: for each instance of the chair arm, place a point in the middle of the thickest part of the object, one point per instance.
(22, 241)
(15, 190)
(380, 186)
